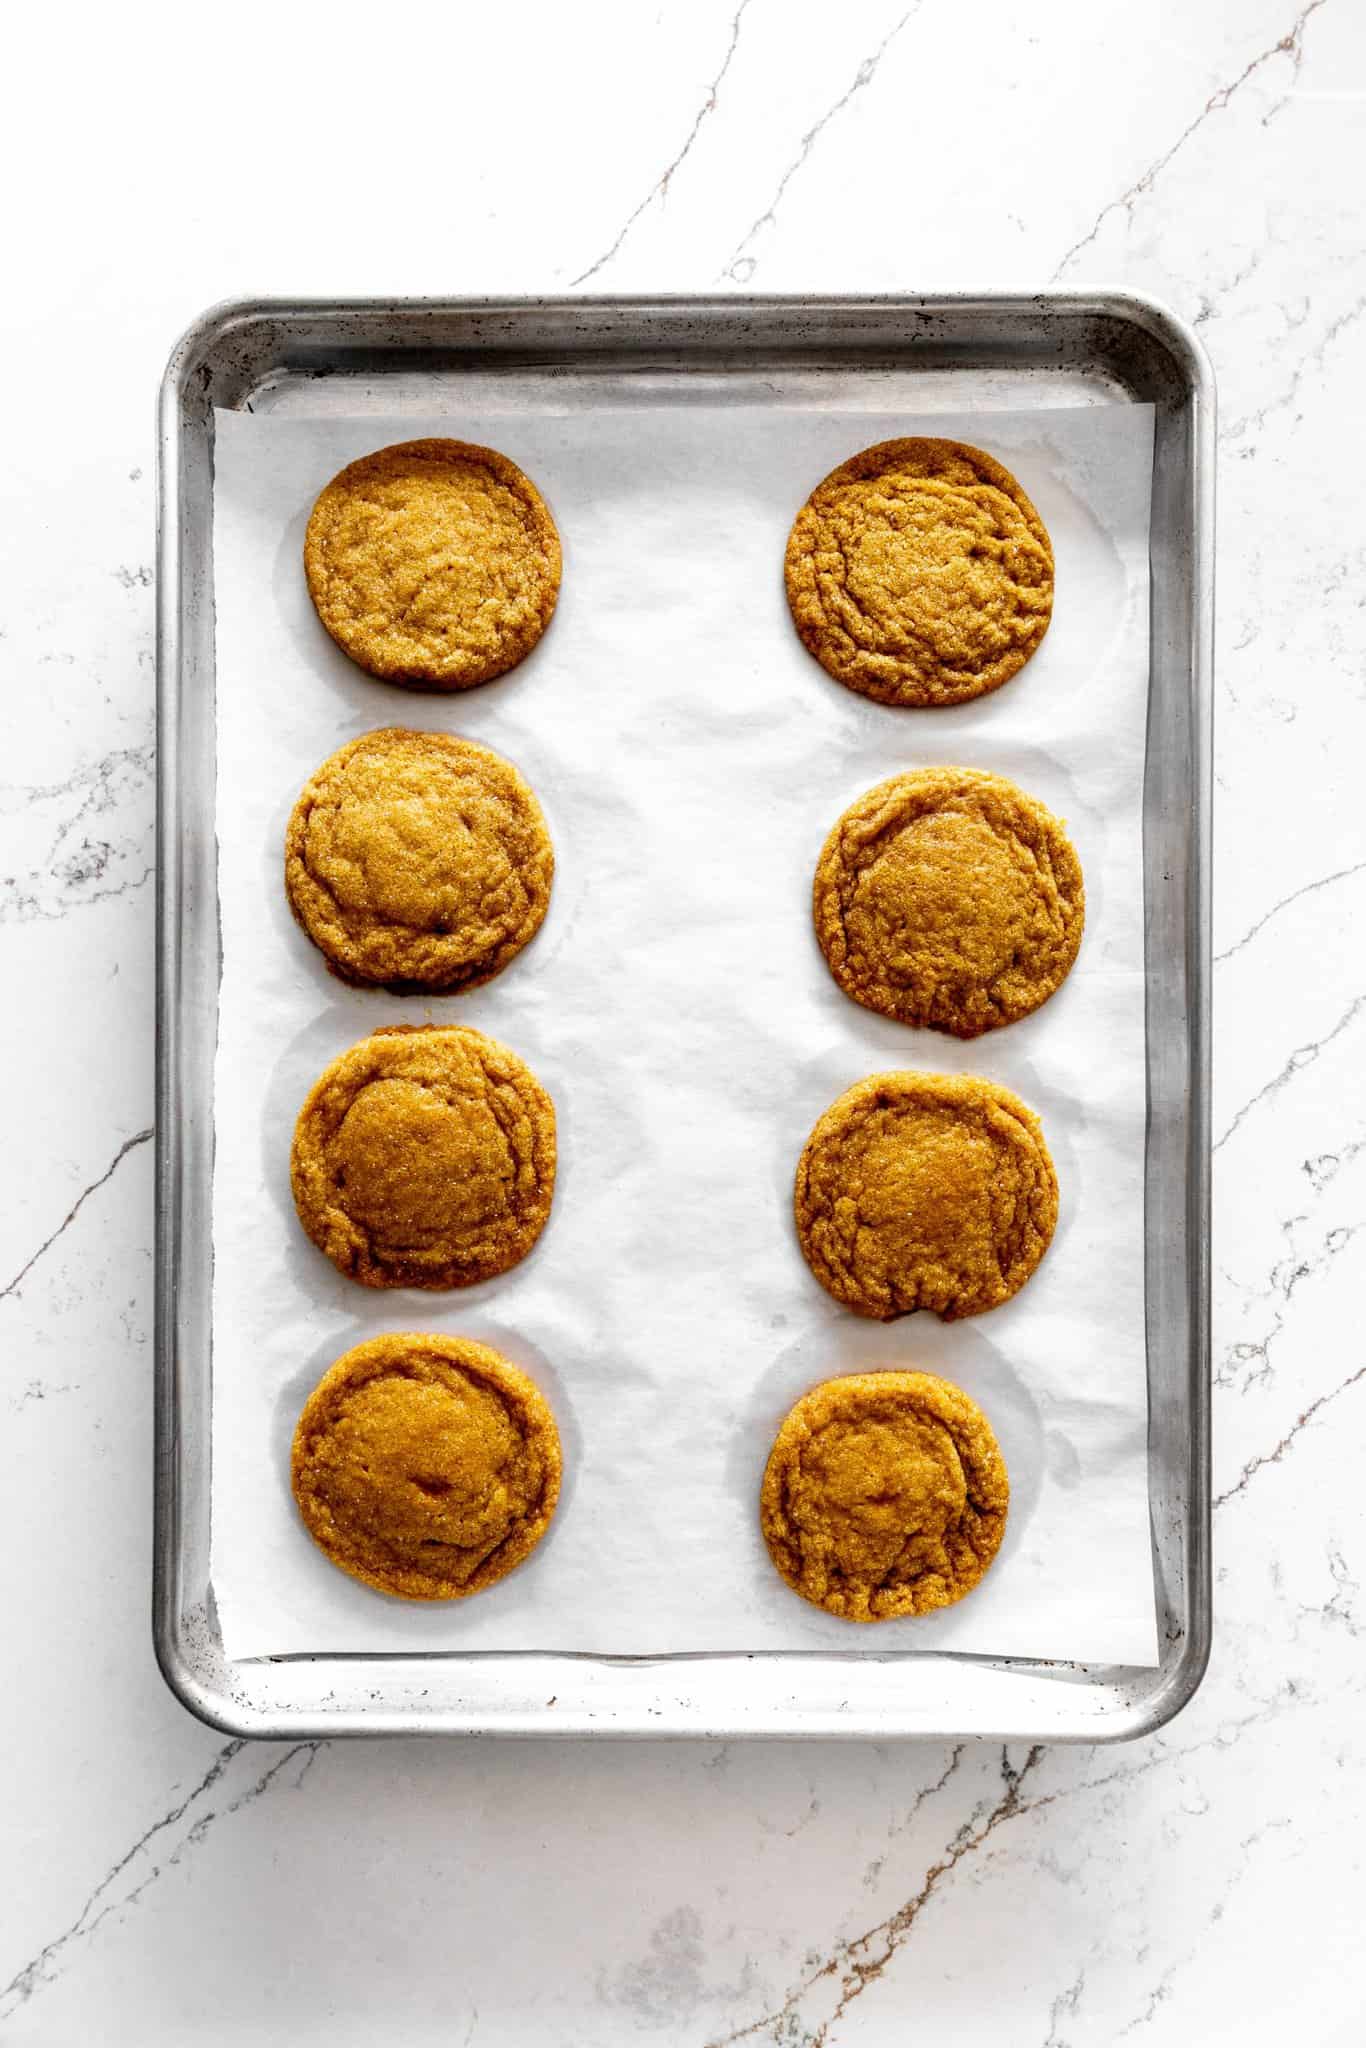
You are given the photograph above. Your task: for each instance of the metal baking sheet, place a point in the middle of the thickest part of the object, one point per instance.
(404, 358)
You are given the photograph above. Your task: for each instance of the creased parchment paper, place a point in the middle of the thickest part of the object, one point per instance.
(690, 757)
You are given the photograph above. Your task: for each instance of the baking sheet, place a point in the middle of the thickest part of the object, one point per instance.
(690, 757)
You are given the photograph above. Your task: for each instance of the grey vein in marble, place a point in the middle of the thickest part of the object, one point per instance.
(1284, 1279)
(1291, 45)
(86, 861)
(740, 267)
(1236, 429)
(1341, 1606)
(898, 1827)
(661, 185)
(40, 1390)
(26, 1980)
(1306, 889)
(1303, 1056)
(1158, 1996)
(128, 1145)
(1064, 2006)
(1326, 1166)
(38, 1970)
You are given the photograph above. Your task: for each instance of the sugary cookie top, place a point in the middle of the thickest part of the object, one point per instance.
(885, 1494)
(925, 1191)
(425, 1157)
(433, 562)
(948, 898)
(919, 573)
(427, 1466)
(417, 860)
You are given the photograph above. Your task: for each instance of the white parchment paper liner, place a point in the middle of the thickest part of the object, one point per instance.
(690, 757)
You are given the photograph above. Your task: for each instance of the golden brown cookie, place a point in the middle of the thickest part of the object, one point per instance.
(425, 1157)
(925, 1191)
(885, 1494)
(415, 860)
(434, 563)
(949, 898)
(426, 1466)
(918, 572)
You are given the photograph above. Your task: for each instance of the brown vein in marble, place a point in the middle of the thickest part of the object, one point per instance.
(1291, 45)
(1274, 1456)
(861, 1962)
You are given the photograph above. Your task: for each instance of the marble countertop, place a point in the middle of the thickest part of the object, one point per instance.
(164, 1885)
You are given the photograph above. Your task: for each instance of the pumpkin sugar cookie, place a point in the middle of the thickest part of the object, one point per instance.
(434, 563)
(426, 1466)
(919, 573)
(425, 1157)
(415, 860)
(885, 1494)
(930, 1191)
(948, 898)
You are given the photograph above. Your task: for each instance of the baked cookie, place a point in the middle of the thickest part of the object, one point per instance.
(885, 1494)
(415, 860)
(918, 572)
(925, 1191)
(435, 563)
(425, 1157)
(426, 1466)
(949, 898)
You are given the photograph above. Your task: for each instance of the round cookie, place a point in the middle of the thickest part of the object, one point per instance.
(885, 1494)
(949, 898)
(925, 1191)
(426, 1466)
(425, 1157)
(918, 572)
(414, 860)
(435, 563)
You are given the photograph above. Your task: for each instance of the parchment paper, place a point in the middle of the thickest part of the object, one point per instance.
(690, 757)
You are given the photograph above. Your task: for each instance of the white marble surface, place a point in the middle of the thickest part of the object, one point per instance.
(160, 1885)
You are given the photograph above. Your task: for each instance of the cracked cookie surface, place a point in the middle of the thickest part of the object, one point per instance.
(948, 898)
(415, 860)
(919, 573)
(425, 1157)
(931, 1191)
(426, 1466)
(885, 1494)
(434, 563)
